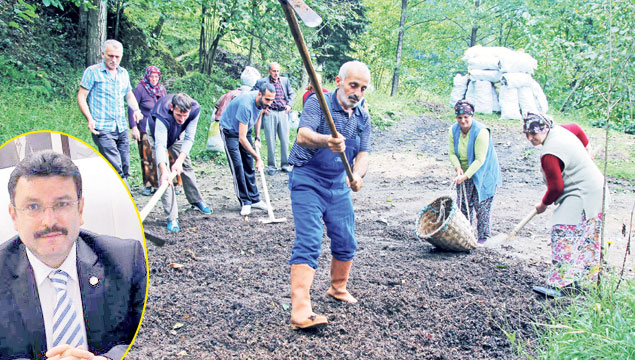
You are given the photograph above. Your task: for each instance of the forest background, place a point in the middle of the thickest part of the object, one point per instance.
(584, 51)
(414, 48)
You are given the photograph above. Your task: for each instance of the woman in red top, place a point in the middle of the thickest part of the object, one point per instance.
(574, 184)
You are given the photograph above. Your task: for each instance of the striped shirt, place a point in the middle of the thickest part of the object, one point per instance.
(106, 95)
(357, 125)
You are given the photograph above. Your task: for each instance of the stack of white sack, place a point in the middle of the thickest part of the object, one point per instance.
(488, 66)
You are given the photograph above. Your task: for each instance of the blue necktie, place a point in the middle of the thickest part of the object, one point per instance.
(66, 326)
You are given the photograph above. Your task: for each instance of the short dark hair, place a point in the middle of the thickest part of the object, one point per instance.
(45, 163)
(266, 87)
(182, 101)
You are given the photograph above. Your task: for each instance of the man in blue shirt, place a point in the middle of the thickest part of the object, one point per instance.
(100, 98)
(236, 123)
(320, 189)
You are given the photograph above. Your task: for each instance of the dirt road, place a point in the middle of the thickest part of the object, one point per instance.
(220, 289)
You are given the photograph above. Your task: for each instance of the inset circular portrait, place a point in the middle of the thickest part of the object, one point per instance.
(73, 264)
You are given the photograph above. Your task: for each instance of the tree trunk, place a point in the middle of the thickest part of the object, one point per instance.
(202, 47)
(402, 22)
(82, 29)
(254, 8)
(118, 11)
(96, 31)
(156, 33)
(477, 3)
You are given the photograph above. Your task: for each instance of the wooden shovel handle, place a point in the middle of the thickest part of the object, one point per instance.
(317, 87)
(155, 198)
(523, 222)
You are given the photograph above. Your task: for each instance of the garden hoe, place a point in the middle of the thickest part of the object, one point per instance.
(271, 219)
(311, 19)
(504, 237)
(150, 205)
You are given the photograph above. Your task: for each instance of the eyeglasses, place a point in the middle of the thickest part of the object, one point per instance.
(59, 208)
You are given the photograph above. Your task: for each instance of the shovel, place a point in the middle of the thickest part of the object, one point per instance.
(504, 237)
(311, 19)
(271, 218)
(150, 205)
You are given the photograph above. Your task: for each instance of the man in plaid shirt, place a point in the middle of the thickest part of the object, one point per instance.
(100, 98)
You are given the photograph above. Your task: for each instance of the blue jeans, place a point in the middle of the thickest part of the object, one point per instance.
(314, 199)
(115, 147)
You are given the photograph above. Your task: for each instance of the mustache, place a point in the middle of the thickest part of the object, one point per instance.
(48, 230)
(353, 97)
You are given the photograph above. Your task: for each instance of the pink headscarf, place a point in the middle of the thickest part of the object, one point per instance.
(158, 90)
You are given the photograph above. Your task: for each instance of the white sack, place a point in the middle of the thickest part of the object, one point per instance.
(483, 62)
(508, 99)
(486, 75)
(516, 80)
(539, 96)
(478, 50)
(214, 140)
(526, 100)
(517, 61)
(483, 97)
(496, 107)
(459, 89)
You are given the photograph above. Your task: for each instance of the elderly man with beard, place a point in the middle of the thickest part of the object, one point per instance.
(320, 189)
(236, 123)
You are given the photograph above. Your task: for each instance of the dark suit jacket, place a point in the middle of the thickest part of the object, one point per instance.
(289, 95)
(112, 308)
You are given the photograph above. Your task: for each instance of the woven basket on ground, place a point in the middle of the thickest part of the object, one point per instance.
(443, 225)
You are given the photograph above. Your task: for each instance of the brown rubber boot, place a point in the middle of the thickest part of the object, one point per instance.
(302, 315)
(339, 278)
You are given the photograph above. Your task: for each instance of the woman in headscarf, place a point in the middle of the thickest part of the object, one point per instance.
(478, 173)
(574, 184)
(147, 92)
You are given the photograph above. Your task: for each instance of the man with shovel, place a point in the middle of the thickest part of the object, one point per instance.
(172, 123)
(320, 189)
(236, 123)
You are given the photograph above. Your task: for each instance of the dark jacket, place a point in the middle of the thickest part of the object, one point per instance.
(112, 308)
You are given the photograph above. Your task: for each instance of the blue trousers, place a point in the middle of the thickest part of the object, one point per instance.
(316, 199)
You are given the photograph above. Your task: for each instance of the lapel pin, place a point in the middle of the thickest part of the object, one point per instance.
(93, 281)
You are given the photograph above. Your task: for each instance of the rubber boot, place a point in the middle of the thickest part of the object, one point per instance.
(302, 315)
(339, 278)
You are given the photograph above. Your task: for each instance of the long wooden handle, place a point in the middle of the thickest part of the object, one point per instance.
(155, 198)
(306, 59)
(523, 222)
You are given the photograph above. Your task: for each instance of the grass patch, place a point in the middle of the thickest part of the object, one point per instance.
(598, 326)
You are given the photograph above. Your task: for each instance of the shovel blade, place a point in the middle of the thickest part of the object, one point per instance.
(309, 17)
(155, 239)
(273, 220)
(496, 240)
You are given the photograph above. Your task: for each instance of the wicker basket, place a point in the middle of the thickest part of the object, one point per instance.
(443, 225)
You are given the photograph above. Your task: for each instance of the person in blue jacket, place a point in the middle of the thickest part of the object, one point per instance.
(472, 154)
(320, 189)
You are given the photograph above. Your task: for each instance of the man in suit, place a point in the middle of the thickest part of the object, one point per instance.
(66, 292)
(276, 119)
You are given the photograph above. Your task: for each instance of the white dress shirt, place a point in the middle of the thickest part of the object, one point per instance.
(48, 297)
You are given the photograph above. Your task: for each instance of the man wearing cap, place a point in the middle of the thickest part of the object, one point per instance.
(67, 293)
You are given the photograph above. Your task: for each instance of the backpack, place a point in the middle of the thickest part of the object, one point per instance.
(224, 101)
